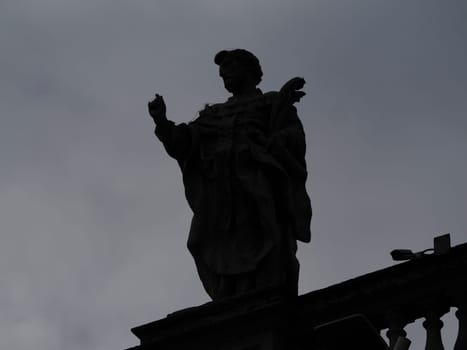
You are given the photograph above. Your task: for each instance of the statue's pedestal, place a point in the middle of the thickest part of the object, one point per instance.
(259, 321)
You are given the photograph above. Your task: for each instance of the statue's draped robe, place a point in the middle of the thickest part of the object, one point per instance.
(244, 173)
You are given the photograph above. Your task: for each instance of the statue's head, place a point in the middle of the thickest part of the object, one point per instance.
(239, 69)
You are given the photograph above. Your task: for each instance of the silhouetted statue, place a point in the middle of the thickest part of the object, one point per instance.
(244, 171)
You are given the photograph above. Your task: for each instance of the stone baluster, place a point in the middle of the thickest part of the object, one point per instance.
(396, 327)
(433, 325)
(461, 314)
(402, 344)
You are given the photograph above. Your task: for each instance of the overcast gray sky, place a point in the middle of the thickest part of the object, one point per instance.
(92, 213)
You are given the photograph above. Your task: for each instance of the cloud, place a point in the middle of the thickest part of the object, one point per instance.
(94, 220)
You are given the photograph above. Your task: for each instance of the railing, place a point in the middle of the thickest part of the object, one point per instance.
(425, 288)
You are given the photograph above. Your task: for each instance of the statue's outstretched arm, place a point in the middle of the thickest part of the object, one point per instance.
(286, 129)
(176, 138)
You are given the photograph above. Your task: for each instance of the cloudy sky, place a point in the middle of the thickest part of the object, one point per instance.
(93, 217)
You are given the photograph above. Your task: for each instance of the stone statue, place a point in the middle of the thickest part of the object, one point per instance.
(244, 171)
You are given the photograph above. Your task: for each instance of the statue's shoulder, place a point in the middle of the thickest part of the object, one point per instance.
(210, 114)
(211, 110)
(271, 97)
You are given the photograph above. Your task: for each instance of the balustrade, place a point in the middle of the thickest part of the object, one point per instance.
(425, 289)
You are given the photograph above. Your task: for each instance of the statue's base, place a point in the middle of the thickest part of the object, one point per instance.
(265, 320)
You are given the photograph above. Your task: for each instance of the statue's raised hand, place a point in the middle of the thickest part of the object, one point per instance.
(291, 90)
(157, 109)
